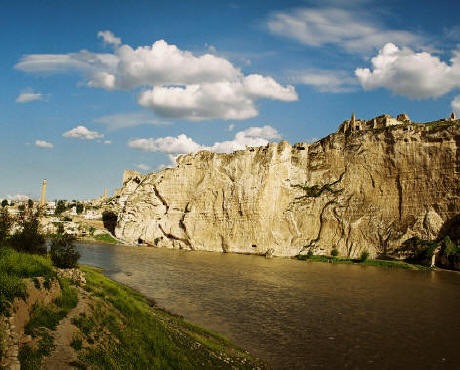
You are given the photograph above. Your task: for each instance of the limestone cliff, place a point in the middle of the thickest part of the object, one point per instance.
(353, 190)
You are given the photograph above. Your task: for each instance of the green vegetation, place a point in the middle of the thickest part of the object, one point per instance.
(60, 207)
(15, 266)
(105, 238)
(62, 252)
(124, 331)
(364, 256)
(6, 223)
(43, 320)
(31, 358)
(334, 252)
(28, 238)
(366, 262)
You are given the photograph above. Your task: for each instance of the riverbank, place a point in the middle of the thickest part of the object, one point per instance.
(102, 324)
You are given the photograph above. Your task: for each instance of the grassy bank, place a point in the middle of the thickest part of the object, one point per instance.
(122, 330)
(367, 262)
(112, 326)
(16, 266)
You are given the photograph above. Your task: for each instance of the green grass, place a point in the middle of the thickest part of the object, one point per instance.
(15, 266)
(124, 331)
(43, 320)
(366, 262)
(69, 296)
(31, 358)
(105, 238)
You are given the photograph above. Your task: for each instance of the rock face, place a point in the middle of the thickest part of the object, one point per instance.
(353, 191)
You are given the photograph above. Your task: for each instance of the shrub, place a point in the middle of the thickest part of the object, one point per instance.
(418, 250)
(364, 256)
(6, 222)
(29, 237)
(63, 253)
(334, 252)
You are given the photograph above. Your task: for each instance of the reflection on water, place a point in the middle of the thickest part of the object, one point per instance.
(296, 314)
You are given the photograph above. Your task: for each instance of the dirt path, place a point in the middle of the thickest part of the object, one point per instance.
(63, 353)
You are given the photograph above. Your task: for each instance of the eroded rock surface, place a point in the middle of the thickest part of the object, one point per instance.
(354, 191)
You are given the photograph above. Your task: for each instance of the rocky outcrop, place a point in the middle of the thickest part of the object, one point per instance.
(353, 191)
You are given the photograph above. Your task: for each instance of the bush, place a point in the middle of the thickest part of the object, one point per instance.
(364, 256)
(29, 237)
(334, 252)
(418, 250)
(6, 222)
(63, 253)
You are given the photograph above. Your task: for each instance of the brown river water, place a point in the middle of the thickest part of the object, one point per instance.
(301, 315)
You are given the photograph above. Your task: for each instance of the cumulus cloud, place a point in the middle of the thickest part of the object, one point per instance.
(123, 120)
(225, 100)
(325, 80)
(173, 82)
(109, 38)
(81, 132)
(412, 74)
(167, 145)
(28, 96)
(182, 144)
(43, 144)
(455, 104)
(353, 30)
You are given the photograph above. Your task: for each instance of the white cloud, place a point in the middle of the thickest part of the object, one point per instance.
(226, 100)
(143, 167)
(253, 136)
(28, 96)
(81, 132)
(109, 38)
(266, 87)
(173, 82)
(168, 145)
(408, 73)
(43, 144)
(107, 142)
(352, 30)
(325, 80)
(123, 120)
(455, 104)
(182, 144)
(231, 127)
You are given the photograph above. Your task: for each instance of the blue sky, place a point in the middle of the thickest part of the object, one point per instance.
(90, 88)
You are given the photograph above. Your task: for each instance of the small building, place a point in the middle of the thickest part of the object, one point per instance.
(385, 120)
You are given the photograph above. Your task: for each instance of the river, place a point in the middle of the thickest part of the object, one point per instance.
(296, 314)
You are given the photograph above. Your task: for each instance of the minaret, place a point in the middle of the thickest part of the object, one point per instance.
(43, 194)
(105, 194)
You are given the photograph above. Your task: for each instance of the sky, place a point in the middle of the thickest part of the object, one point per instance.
(90, 88)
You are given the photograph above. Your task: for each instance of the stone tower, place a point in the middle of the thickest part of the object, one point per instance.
(105, 194)
(43, 194)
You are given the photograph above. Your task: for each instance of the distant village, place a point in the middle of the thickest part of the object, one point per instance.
(79, 218)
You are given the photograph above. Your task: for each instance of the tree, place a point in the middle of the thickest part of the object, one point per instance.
(29, 238)
(62, 252)
(6, 222)
(30, 203)
(4, 203)
(60, 207)
(80, 208)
